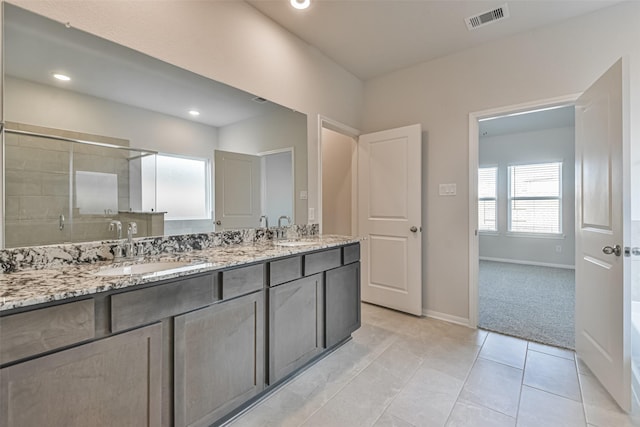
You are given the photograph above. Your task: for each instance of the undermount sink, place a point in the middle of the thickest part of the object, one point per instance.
(293, 243)
(151, 267)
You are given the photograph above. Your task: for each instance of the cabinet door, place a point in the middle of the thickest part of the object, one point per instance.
(342, 305)
(296, 325)
(219, 359)
(112, 382)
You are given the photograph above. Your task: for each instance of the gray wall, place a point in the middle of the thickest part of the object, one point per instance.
(541, 146)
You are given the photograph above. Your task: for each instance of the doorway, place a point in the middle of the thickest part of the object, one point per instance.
(277, 185)
(526, 224)
(339, 183)
(474, 148)
(338, 178)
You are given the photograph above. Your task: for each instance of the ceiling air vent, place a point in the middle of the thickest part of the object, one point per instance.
(487, 17)
(259, 100)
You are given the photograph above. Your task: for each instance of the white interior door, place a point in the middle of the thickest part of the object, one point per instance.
(602, 287)
(237, 184)
(389, 209)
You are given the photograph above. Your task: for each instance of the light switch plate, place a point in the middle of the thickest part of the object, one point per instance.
(447, 189)
(303, 195)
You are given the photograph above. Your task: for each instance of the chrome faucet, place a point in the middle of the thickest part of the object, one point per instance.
(116, 225)
(284, 217)
(132, 229)
(279, 231)
(266, 221)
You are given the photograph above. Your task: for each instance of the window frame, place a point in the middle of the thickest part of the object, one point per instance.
(560, 196)
(494, 231)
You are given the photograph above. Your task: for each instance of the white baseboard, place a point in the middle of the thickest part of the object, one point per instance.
(538, 264)
(446, 317)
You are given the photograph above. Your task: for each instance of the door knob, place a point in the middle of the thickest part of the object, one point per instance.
(413, 229)
(218, 222)
(616, 250)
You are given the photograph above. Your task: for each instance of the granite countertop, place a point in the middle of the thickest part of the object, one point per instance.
(31, 287)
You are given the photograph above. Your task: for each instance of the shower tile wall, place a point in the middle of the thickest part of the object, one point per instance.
(37, 186)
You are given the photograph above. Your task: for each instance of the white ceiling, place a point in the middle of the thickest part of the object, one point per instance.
(373, 37)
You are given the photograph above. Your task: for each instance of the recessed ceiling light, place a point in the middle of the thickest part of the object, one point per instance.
(300, 4)
(194, 113)
(61, 77)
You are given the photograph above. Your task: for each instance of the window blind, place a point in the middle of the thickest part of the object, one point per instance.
(535, 198)
(487, 198)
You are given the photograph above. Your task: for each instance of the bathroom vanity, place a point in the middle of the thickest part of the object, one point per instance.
(191, 347)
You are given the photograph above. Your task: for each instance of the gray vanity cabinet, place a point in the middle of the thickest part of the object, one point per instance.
(342, 302)
(296, 325)
(218, 359)
(115, 381)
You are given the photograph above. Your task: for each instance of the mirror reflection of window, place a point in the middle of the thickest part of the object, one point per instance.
(182, 188)
(96, 193)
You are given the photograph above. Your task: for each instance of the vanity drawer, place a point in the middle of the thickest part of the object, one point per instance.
(243, 280)
(285, 270)
(135, 308)
(350, 254)
(322, 261)
(34, 332)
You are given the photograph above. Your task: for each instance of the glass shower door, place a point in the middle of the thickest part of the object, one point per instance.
(37, 189)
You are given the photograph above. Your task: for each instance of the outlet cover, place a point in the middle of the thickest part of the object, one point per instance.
(312, 214)
(447, 189)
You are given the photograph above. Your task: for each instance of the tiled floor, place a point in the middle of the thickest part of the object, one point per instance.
(400, 370)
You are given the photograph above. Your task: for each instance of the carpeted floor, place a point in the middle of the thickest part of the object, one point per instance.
(534, 303)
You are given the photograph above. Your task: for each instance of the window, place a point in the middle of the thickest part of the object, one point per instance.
(535, 197)
(182, 187)
(487, 218)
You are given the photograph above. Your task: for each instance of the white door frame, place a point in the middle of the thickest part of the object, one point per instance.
(474, 145)
(341, 128)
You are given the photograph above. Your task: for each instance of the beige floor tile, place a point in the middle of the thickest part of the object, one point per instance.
(539, 408)
(361, 402)
(427, 399)
(552, 374)
(504, 349)
(323, 380)
(468, 414)
(554, 351)
(282, 409)
(599, 406)
(434, 328)
(451, 356)
(493, 385)
(388, 420)
(399, 360)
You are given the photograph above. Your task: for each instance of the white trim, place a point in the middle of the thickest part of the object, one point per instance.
(474, 142)
(446, 317)
(524, 262)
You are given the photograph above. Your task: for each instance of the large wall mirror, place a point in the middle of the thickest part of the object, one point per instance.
(96, 132)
